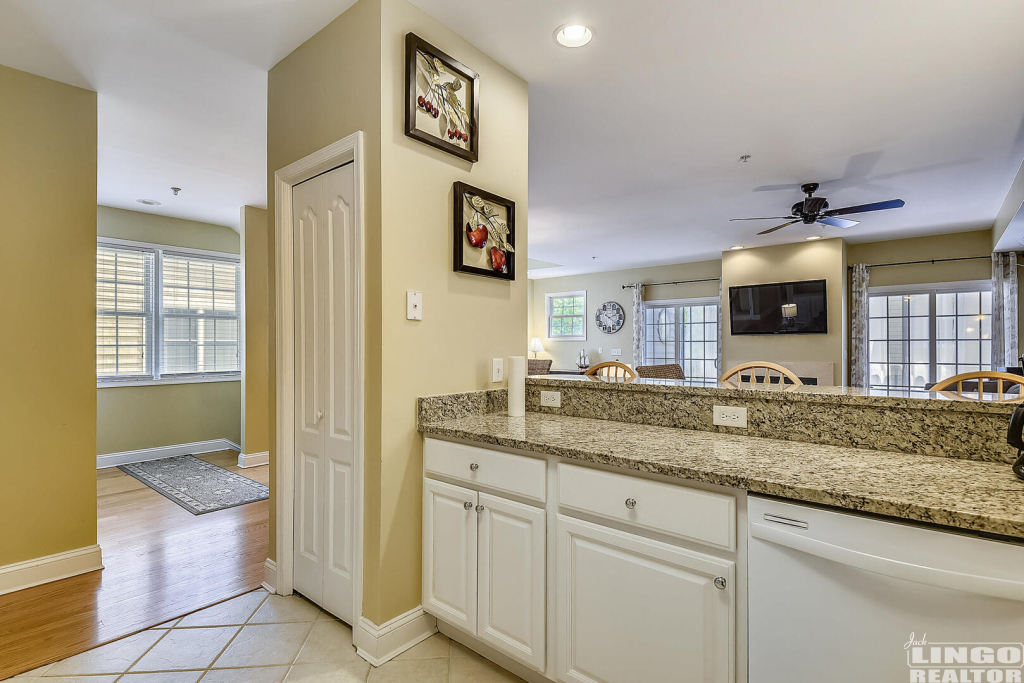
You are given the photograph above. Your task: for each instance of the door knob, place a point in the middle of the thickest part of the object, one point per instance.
(720, 583)
(319, 415)
(467, 505)
(630, 503)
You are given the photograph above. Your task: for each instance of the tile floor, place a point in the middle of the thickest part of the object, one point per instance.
(261, 638)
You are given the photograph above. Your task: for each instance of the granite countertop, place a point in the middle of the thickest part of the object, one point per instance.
(965, 494)
(875, 398)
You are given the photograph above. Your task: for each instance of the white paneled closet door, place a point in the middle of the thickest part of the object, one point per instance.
(325, 386)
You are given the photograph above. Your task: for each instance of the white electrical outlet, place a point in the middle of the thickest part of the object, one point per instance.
(616, 352)
(730, 416)
(551, 399)
(600, 349)
(497, 369)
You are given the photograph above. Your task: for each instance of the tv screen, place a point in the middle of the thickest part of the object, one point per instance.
(780, 308)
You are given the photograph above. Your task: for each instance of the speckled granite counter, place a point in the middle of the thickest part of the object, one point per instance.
(954, 492)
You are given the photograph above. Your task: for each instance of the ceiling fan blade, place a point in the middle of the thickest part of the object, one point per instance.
(778, 227)
(837, 222)
(863, 208)
(763, 218)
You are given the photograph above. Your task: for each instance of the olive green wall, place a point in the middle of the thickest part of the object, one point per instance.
(255, 383)
(132, 418)
(48, 276)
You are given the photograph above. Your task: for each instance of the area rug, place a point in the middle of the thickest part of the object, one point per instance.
(196, 485)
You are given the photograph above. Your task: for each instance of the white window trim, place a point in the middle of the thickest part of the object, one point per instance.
(158, 323)
(547, 315)
(693, 301)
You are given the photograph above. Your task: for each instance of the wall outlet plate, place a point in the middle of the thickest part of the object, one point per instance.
(730, 416)
(551, 399)
(616, 352)
(413, 305)
(497, 369)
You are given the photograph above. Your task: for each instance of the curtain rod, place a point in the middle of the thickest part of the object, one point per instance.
(676, 282)
(931, 261)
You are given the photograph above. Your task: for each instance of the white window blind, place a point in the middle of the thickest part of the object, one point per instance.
(166, 315)
(125, 303)
(200, 315)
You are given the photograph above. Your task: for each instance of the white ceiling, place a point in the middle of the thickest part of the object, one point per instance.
(182, 89)
(634, 139)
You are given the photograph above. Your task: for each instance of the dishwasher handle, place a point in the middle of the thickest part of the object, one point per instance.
(877, 564)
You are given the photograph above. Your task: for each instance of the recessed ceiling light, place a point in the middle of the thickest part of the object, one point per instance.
(148, 202)
(735, 248)
(573, 35)
(813, 237)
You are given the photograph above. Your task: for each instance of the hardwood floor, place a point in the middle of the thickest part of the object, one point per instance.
(161, 562)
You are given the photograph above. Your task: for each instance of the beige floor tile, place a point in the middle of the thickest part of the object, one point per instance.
(234, 612)
(281, 609)
(76, 679)
(460, 650)
(269, 674)
(35, 672)
(411, 671)
(187, 648)
(168, 624)
(434, 647)
(162, 677)
(112, 658)
(476, 669)
(326, 616)
(264, 645)
(329, 641)
(345, 672)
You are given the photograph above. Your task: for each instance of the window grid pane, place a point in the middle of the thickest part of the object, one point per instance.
(567, 316)
(686, 334)
(124, 312)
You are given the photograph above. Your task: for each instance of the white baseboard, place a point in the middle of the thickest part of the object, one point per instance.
(21, 575)
(253, 459)
(270, 575)
(378, 644)
(143, 454)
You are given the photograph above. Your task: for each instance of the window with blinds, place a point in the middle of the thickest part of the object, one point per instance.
(165, 315)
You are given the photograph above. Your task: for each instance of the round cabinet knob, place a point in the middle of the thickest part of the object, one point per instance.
(630, 503)
(467, 505)
(474, 467)
(319, 415)
(720, 583)
(479, 508)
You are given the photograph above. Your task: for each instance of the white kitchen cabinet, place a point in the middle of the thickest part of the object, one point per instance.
(498, 593)
(633, 609)
(511, 573)
(449, 553)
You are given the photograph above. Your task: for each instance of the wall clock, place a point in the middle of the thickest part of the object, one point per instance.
(609, 317)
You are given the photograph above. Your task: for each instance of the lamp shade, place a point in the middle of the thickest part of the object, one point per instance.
(789, 310)
(535, 345)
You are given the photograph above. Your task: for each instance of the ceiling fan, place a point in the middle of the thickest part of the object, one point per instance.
(815, 210)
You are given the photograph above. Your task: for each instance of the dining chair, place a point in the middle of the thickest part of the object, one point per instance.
(974, 386)
(667, 371)
(538, 366)
(611, 370)
(784, 373)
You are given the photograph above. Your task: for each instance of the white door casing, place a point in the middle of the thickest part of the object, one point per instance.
(511, 575)
(633, 609)
(342, 431)
(450, 524)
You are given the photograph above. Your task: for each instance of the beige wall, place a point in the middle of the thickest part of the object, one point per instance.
(353, 73)
(48, 276)
(601, 287)
(328, 88)
(784, 263)
(255, 382)
(132, 418)
(147, 227)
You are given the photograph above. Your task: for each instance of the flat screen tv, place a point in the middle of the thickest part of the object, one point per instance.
(779, 308)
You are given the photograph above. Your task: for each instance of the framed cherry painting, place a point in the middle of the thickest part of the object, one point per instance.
(485, 233)
(442, 107)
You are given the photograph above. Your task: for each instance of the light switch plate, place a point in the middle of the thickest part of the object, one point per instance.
(414, 305)
(551, 399)
(730, 416)
(616, 352)
(497, 369)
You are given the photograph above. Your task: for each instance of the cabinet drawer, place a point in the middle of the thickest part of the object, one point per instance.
(515, 474)
(679, 511)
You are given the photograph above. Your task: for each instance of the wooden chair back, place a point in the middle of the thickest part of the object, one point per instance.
(974, 386)
(611, 370)
(752, 367)
(667, 371)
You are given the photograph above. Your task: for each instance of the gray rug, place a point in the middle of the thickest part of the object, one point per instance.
(196, 485)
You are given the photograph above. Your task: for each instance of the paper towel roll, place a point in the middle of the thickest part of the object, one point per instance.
(517, 386)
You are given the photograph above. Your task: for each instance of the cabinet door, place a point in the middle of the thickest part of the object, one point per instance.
(632, 609)
(511, 575)
(449, 553)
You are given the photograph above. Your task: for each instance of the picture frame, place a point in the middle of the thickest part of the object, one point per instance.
(442, 107)
(484, 223)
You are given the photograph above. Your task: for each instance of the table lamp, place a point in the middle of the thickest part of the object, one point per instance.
(535, 346)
